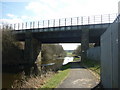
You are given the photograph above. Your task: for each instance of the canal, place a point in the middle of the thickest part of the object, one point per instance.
(8, 79)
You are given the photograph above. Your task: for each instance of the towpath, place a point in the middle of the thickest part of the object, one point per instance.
(79, 77)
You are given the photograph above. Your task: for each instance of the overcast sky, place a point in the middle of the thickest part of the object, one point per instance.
(14, 11)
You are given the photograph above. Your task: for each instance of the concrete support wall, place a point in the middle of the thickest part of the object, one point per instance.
(32, 54)
(84, 43)
(94, 53)
(110, 56)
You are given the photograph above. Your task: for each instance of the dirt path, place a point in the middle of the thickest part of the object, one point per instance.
(79, 77)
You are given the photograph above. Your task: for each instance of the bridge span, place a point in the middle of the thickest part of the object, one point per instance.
(79, 30)
(64, 34)
(65, 30)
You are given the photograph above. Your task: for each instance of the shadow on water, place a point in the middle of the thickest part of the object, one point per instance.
(14, 73)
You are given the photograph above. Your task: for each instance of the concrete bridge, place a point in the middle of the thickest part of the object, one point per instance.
(82, 30)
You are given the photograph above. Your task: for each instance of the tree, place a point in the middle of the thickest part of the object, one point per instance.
(11, 49)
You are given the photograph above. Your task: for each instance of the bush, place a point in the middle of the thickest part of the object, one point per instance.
(11, 49)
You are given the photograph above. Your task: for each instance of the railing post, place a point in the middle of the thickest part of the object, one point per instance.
(30, 25)
(71, 21)
(109, 17)
(59, 22)
(65, 21)
(94, 19)
(38, 24)
(22, 25)
(81, 20)
(33, 24)
(101, 19)
(88, 19)
(14, 26)
(48, 23)
(43, 23)
(26, 25)
(54, 23)
(18, 26)
(77, 20)
(10, 26)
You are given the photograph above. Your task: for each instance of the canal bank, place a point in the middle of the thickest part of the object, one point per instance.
(48, 69)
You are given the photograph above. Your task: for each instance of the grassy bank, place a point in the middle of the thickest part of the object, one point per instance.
(92, 65)
(55, 80)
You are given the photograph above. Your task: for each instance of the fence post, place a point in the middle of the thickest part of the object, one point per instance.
(14, 26)
(33, 24)
(94, 19)
(10, 26)
(26, 25)
(43, 23)
(88, 19)
(30, 24)
(77, 20)
(109, 17)
(38, 24)
(18, 26)
(22, 25)
(81, 20)
(65, 21)
(59, 22)
(71, 21)
(54, 23)
(101, 19)
(48, 23)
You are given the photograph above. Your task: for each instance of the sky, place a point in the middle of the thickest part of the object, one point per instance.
(14, 11)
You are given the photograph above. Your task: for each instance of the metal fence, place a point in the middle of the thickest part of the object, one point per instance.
(85, 20)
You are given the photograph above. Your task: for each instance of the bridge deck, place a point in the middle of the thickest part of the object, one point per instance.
(63, 34)
(66, 30)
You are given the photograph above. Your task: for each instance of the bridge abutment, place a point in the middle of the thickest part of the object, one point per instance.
(84, 43)
(32, 55)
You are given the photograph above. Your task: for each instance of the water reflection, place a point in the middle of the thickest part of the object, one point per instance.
(67, 60)
(9, 78)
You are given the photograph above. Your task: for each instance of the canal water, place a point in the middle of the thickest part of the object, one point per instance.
(67, 60)
(9, 78)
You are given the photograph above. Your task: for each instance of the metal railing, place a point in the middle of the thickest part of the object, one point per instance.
(84, 20)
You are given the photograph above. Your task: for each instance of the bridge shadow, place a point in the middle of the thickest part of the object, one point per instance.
(77, 65)
(72, 65)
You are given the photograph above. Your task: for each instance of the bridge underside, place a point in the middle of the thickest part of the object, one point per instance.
(72, 36)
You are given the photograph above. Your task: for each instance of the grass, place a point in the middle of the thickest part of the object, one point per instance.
(69, 54)
(92, 65)
(76, 59)
(55, 80)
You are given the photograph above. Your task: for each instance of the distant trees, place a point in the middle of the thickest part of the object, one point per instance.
(52, 51)
(78, 49)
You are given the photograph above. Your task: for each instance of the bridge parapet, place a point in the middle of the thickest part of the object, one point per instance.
(84, 20)
(65, 28)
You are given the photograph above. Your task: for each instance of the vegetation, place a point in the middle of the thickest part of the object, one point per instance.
(12, 52)
(51, 52)
(76, 59)
(92, 65)
(57, 78)
(78, 49)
